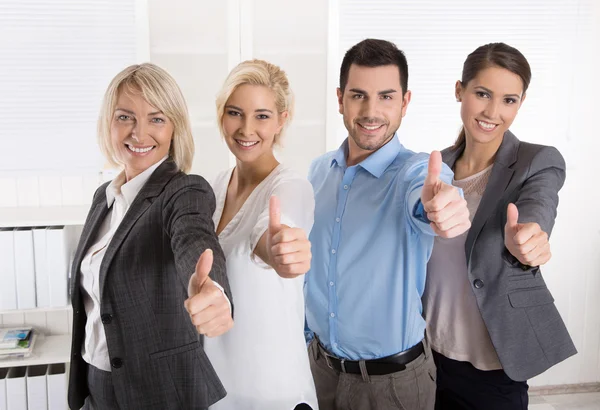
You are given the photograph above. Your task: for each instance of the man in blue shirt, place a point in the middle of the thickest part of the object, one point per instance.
(378, 207)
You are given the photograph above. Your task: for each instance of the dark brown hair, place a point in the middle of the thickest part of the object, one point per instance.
(374, 53)
(493, 55)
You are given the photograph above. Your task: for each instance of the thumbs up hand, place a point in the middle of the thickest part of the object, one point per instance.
(525, 241)
(208, 307)
(287, 249)
(446, 210)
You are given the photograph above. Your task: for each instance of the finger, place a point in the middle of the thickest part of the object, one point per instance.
(543, 258)
(211, 326)
(211, 312)
(442, 198)
(291, 258)
(222, 329)
(290, 247)
(293, 270)
(461, 217)
(448, 211)
(208, 295)
(526, 232)
(452, 232)
(287, 234)
(535, 253)
(512, 217)
(274, 215)
(537, 240)
(434, 168)
(203, 268)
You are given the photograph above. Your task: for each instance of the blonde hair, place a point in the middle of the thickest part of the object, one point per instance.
(160, 90)
(258, 72)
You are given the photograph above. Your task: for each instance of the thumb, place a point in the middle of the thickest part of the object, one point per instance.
(274, 215)
(512, 217)
(203, 268)
(434, 168)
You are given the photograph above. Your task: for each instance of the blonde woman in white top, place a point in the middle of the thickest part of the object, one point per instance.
(263, 216)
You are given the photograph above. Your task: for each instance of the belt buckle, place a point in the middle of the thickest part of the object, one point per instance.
(328, 361)
(343, 366)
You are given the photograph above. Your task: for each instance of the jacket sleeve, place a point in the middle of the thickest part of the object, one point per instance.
(188, 221)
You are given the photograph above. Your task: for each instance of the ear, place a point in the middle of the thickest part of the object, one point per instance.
(458, 91)
(405, 101)
(340, 97)
(283, 116)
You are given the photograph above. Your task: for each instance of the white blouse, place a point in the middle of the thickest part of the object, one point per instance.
(263, 361)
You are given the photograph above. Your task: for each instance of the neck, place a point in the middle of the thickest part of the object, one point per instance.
(476, 157)
(356, 154)
(250, 174)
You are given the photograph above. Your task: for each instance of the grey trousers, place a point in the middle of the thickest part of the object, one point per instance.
(102, 392)
(410, 389)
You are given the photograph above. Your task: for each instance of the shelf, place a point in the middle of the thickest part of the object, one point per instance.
(47, 350)
(43, 216)
(36, 310)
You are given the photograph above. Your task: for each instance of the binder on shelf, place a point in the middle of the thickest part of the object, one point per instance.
(24, 268)
(16, 389)
(57, 387)
(3, 373)
(57, 264)
(37, 392)
(42, 280)
(8, 290)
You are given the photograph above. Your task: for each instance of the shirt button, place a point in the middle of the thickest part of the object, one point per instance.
(332, 314)
(116, 362)
(106, 319)
(345, 186)
(333, 251)
(337, 219)
(478, 283)
(330, 283)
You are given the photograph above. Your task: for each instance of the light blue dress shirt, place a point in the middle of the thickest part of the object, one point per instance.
(370, 245)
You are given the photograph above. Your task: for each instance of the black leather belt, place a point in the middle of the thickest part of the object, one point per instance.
(384, 365)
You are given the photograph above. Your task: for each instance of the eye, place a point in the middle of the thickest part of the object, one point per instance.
(510, 101)
(233, 113)
(482, 94)
(262, 117)
(158, 120)
(386, 97)
(358, 96)
(123, 117)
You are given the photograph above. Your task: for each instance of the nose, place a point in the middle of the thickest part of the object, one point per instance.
(491, 109)
(369, 108)
(139, 131)
(247, 128)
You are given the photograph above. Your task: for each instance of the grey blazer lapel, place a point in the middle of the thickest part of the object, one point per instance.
(97, 214)
(155, 185)
(502, 173)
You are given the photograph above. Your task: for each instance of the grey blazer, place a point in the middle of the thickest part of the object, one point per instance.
(156, 354)
(517, 307)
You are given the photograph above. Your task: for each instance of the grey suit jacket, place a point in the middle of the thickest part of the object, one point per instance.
(156, 353)
(517, 307)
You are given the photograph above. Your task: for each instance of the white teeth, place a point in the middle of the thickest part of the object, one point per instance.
(486, 125)
(247, 143)
(370, 127)
(140, 150)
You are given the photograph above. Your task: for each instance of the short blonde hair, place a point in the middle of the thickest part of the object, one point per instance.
(258, 72)
(160, 90)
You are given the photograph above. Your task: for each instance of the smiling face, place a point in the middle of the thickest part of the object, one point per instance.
(372, 105)
(490, 103)
(251, 122)
(141, 135)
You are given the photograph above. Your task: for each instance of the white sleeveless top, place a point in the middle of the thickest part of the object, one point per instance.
(263, 360)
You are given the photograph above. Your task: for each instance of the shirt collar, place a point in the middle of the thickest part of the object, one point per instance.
(377, 162)
(129, 189)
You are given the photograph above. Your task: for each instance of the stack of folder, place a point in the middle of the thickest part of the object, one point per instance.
(16, 342)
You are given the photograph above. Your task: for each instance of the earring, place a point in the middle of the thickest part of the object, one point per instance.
(457, 99)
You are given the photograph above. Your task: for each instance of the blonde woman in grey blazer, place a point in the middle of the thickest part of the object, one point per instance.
(148, 274)
(491, 320)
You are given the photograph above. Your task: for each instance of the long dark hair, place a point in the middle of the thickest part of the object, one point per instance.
(493, 55)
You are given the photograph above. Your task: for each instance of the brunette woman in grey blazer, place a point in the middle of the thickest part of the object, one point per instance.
(491, 319)
(141, 291)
